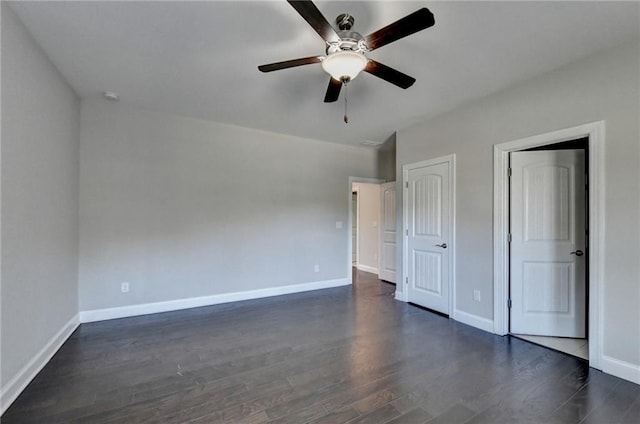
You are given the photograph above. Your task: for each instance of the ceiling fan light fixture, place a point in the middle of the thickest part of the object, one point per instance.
(344, 65)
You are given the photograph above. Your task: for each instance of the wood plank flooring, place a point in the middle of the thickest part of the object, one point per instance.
(345, 355)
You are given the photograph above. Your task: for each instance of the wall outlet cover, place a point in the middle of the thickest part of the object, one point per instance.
(476, 295)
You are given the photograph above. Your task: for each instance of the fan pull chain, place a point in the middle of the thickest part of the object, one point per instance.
(346, 117)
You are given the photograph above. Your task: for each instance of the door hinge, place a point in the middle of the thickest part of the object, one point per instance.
(406, 184)
(509, 303)
(509, 238)
(406, 280)
(509, 172)
(406, 232)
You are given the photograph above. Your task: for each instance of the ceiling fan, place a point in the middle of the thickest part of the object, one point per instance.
(346, 49)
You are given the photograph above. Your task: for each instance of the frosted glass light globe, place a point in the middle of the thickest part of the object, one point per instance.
(344, 64)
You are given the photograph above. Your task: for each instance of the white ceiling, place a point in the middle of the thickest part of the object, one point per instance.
(200, 59)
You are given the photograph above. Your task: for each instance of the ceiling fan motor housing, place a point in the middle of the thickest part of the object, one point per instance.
(349, 40)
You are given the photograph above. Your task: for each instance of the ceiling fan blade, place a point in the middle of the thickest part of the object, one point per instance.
(410, 24)
(290, 63)
(312, 15)
(333, 91)
(389, 74)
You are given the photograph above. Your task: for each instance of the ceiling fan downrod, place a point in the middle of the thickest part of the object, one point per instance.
(345, 21)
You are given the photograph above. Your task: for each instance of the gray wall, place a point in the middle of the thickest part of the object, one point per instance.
(183, 208)
(39, 166)
(387, 159)
(602, 87)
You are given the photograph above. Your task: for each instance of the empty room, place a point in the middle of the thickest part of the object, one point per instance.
(298, 212)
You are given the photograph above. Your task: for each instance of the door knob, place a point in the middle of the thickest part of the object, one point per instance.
(577, 253)
(443, 245)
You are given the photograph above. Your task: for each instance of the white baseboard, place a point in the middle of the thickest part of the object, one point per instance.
(622, 369)
(17, 384)
(473, 320)
(367, 268)
(195, 302)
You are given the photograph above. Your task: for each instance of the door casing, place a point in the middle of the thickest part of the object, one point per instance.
(595, 132)
(451, 160)
(355, 214)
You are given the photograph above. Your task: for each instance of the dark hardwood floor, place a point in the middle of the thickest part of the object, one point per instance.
(343, 355)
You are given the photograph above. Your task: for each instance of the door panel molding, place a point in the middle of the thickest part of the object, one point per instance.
(451, 161)
(387, 237)
(548, 283)
(595, 131)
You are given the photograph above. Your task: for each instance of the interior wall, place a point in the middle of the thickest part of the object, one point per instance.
(387, 159)
(182, 208)
(39, 167)
(369, 210)
(604, 86)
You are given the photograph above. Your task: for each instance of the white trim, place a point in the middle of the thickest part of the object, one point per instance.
(473, 320)
(350, 223)
(622, 369)
(19, 382)
(451, 160)
(356, 191)
(595, 131)
(454, 246)
(367, 268)
(195, 302)
(404, 281)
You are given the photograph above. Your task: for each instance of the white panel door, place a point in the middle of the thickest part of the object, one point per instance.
(429, 236)
(387, 266)
(548, 284)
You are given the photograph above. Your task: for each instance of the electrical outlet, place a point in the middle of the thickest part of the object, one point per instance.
(124, 287)
(316, 268)
(476, 295)
(338, 224)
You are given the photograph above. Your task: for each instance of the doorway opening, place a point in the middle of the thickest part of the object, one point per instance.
(548, 255)
(362, 225)
(595, 133)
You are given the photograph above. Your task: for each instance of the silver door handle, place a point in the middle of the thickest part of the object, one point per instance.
(443, 245)
(577, 253)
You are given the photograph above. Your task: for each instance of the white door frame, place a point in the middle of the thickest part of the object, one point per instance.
(357, 226)
(350, 222)
(451, 160)
(595, 131)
